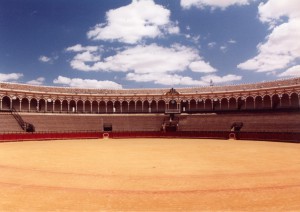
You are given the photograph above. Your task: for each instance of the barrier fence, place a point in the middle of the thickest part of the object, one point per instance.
(264, 136)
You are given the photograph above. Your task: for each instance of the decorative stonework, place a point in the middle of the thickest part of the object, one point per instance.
(273, 94)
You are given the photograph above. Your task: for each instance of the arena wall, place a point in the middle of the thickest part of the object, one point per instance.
(267, 107)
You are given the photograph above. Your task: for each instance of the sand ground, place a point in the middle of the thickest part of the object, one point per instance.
(149, 175)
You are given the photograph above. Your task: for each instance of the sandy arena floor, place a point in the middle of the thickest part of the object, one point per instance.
(149, 175)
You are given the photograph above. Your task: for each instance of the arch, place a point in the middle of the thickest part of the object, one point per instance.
(161, 105)
(224, 104)
(42, 105)
(33, 105)
(172, 104)
(258, 102)
(57, 105)
(131, 106)
(125, 107)
(139, 106)
(216, 104)
(294, 100)
(49, 103)
(80, 106)
(72, 106)
(16, 103)
(201, 105)
(208, 105)
(249, 103)
(184, 105)
(6, 103)
(275, 101)
(193, 105)
(232, 103)
(110, 107)
(102, 107)
(25, 104)
(285, 101)
(117, 107)
(267, 102)
(95, 107)
(241, 103)
(87, 106)
(146, 106)
(65, 106)
(153, 106)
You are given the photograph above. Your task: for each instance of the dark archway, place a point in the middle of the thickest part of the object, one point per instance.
(33, 105)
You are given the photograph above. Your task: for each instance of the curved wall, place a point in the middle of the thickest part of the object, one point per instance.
(265, 95)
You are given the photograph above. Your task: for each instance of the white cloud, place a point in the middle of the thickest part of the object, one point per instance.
(273, 10)
(87, 83)
(291, 72)
(175, 79)
(211, 44)
(232, 41)
(223, 48)
(131, 23)
(80, 48)
(201, 66)
(220, 80)
(10, 77)
(38, 81)
(281, 48)
(223, 4)
(146, 59)
(164, 79)
(44, 59)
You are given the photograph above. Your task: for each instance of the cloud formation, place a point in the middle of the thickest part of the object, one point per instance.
(291, 72)
(145, 59)
(131, 23)
(152, 63)
(44, 59)
(38, 81)
(175, 79)
(86, 83)
(223, 4)
(281, 48)
(12, 77)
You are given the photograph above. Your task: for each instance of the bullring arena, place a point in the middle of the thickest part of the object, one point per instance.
(215, 148)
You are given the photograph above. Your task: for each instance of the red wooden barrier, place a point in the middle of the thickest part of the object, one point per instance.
(264, 136)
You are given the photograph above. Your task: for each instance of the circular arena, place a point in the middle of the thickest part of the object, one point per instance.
(183, 149)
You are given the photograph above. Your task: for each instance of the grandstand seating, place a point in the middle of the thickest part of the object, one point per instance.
(8, 123)
(258, 122)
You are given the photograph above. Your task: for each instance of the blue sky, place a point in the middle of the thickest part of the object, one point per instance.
(148, 43)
